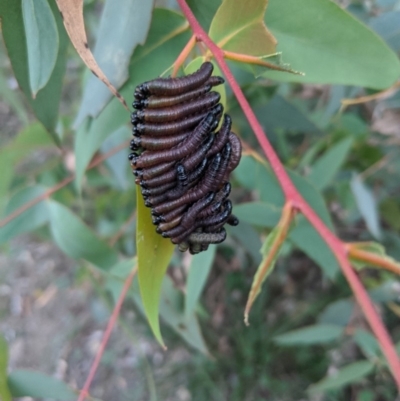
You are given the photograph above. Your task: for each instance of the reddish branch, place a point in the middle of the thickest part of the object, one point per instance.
(84, 393)
(293, 196)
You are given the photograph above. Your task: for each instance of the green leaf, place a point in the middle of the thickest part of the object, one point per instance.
(315, 334)
(31, 138)
(329, 45)
(306, 238)
(31, 219)
(154, 254)
(265, 267)
(42, 42)
(260, 214)
(28, 383)
(249, 238)
(197, 277)
(251, 174)
(45, 105)
(327, 166)
(124, 24)
(204, 11)
(367, 343)
(279, 113)
(239, 27)
(117, 162)
(367, 206)
(77, 240)
(5, 394)
(312, 196)
(349, 374)
(173, 314)
(168, 34)
(337, 313)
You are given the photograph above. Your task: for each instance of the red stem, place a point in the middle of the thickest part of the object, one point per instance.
(292, 195)
(110, 325)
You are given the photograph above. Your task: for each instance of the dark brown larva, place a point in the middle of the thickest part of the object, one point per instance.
(188, 145)
(174, 127)
(178, 111)
(181, 165)
(206, 185)
(175, 86)
(155, 102)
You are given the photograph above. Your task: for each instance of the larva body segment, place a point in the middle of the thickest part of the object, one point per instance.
(155, 102)
(175, 86)
(158, 143)
(179, 111)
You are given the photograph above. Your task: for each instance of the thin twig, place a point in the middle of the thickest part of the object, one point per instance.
(84, 393)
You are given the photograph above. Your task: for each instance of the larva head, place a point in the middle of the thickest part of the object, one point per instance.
(232, 220)
(135, 117)
(138, 129)
(145, 192)
(157, 219)
(133, 157)
(135, 144)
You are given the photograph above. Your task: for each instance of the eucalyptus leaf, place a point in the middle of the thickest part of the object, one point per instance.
(329, 45)
(315, 334)
(77, 240)
(28, 383)
(42, 42)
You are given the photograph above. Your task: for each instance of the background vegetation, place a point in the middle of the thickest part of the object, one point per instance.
(63, 160)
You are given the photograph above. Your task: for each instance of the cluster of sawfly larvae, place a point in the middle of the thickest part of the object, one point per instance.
(181, 164)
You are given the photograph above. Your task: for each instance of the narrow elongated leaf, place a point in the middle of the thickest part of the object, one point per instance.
(124, 24)
(42, 42)
(252, 174)
(28, 383)
(45, 105)
(172, 313)
(154, 254)
(270, 251)
(238, 26)
(367, 342)
(5, 394)
(281, 114)
(197, 277)
(367, 206)
(258, 213)
(77, 240)
(31, 219)
(349, 374)
(316, 334)
(306, 238)
(329, 45)
(327, 166)
(312, 196)
(168, 34)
